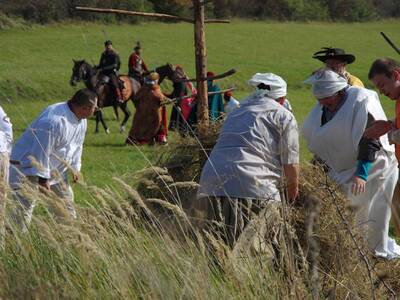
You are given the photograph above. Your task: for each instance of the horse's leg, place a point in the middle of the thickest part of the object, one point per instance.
(103, 122)
(97, 122)
(116, 112)
(127, 113)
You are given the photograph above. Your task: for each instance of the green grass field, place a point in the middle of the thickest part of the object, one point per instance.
(36, 67)
(112, 251)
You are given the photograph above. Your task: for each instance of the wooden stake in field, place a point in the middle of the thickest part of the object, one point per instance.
(201, 66)
(200, 51)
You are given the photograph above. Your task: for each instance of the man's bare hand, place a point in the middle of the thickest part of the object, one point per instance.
(377, 129)
(293, 192)
(358, 186)
(292, 179)
(44, 185)
(76, 176)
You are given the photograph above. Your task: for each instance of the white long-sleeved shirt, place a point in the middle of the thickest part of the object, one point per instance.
(54, 142)
(6, 133)
(231, 105)
(256, 140)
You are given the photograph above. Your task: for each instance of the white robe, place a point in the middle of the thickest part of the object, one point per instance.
(55, 140)
(336, 142)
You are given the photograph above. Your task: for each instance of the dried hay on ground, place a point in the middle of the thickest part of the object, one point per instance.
(329, 256)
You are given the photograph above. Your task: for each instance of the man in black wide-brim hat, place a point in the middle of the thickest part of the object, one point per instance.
(336, 59)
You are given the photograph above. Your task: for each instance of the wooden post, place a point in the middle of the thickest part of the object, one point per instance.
(200, 51)
(201, 66)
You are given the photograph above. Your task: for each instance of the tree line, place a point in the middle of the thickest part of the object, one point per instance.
(44, 11)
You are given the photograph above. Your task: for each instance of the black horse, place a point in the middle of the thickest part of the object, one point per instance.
(83, 71)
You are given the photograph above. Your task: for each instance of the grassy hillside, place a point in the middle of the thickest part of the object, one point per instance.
(36, 67)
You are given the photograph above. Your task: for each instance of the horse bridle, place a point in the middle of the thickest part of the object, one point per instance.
(81, 74)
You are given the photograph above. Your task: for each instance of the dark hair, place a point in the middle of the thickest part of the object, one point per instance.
(84, 97)
(384, 66)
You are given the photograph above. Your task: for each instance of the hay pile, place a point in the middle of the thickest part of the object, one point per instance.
(328, 255)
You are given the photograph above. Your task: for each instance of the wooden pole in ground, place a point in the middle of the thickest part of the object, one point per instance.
(201, 66)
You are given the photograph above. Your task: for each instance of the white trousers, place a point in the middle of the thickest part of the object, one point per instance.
(373, 208)
(23, 215)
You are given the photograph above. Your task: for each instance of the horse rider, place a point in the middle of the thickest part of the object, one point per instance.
(109, 65)
(136, 64)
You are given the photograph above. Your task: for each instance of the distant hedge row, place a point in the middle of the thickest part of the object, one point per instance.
(302, 10)
(44, 11)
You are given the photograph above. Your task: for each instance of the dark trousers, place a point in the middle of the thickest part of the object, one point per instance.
(227, 217)
(114, 81)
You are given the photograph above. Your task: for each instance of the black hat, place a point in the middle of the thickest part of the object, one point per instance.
(335, 53)
(138, 46)
(108, 42)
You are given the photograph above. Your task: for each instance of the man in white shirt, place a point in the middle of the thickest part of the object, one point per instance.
(6, 139)
(230, 102)
(365, 169)
(256, 152)
(48, 148)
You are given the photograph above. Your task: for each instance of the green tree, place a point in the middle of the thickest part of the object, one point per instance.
(352, 10)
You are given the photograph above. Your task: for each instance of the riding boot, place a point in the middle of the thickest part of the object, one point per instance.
(118, 95)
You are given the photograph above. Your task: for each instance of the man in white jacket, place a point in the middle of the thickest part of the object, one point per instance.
(50, 146)
(365, 169)
(256, 152)
(6, 139)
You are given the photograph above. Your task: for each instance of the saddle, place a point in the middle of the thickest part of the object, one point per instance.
(104, 79)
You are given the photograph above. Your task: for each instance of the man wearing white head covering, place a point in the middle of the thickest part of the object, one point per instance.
(256, 152)
(364, 168)
(277, 87)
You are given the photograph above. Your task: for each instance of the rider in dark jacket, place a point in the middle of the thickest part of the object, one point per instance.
(109, 65)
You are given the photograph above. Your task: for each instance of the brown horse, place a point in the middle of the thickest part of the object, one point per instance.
(83, 71)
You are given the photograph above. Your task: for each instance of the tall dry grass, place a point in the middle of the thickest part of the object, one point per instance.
(140, 241)
(112, 251)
